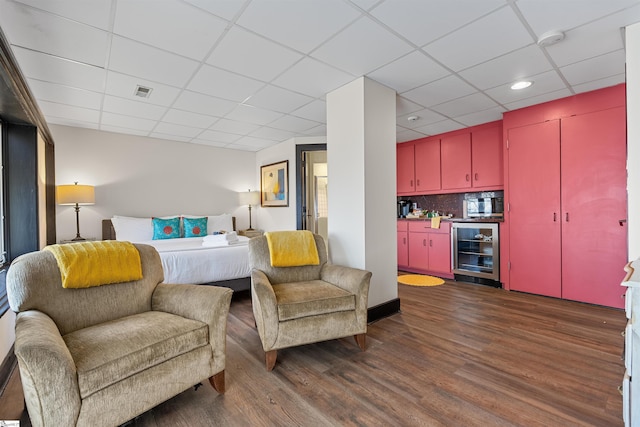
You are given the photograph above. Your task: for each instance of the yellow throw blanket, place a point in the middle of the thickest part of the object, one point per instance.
(87, 264)
(292, 248)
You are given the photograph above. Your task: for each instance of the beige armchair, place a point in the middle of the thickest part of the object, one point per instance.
(101, 356)
(306, 304)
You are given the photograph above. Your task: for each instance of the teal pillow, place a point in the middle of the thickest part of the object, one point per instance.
(166, 228)
(195, 227)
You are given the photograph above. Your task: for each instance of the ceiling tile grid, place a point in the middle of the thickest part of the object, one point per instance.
(248, 74)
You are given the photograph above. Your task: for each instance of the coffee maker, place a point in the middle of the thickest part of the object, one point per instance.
(404, 207)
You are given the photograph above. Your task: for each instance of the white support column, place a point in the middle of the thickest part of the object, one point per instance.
(361, 157)
(633, 138)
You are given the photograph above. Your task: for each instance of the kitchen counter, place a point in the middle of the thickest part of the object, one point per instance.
(444, 219)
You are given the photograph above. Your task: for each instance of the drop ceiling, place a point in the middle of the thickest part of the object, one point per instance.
(248, 74)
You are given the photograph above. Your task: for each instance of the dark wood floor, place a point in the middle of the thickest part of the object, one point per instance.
(457, 355)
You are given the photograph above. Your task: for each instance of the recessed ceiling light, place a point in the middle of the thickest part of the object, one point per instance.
(521, 85)
(142, 92)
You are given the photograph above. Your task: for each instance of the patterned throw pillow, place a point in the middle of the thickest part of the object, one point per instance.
(195, 227)
(166, 228)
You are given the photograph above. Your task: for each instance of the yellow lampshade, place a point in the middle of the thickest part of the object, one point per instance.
(74, 193)
(251, 198)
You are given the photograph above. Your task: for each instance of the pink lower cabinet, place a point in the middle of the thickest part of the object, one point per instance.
(403, 244)
(429, 248)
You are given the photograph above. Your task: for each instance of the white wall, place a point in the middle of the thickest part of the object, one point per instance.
(633, 137)
(140, 176)
(281, 218)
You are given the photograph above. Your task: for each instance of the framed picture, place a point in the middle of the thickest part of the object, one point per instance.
(274, 184)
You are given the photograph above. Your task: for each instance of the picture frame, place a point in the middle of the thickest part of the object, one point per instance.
(274, 184)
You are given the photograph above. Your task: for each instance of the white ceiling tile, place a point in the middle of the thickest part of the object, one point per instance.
(440, 91)
(480, 117)
(176, 26)
(243, 147)
(71, 122)
(365, 4)
(204, 104)
(596, 68)
(302, 25)
(272, 134)
(404, 106)
(252, 114)
(408, 135)
(593, 39)
(408, 72)
(313, 78)
(46, 91)
(188, 118)
(136, 59)
(417, 20)
(439, 127)
(320, 130)
(125, 86)
(538, 99)
(293, 124)
(223, 84)
(278, 99)
(69, 112)
(177, 130)
(209, 143)
(316, 110)
(127, 122)
(465, 105)
(127, 107)
(362, 47)
(44, 32)
(95, 12)
(566, 14)
(55, 70)
(600, 83)
(231, 126)
(170, 137)
(221, 137)
(508, 68)
(118, 129)
(480, 41)
(542, 83)
(251, 55)
(226, 9)
(251, 141)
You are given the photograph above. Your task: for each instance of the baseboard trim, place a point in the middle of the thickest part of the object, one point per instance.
(7, 367)
(383, 310)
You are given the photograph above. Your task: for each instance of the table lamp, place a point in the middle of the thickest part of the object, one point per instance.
(76, 195)
(251, 198)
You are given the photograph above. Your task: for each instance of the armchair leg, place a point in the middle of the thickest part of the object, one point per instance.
(270, 359)
(217, 382)
(361, 340)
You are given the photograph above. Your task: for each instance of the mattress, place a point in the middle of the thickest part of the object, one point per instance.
(187, 261)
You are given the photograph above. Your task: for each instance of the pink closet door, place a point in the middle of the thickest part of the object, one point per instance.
(534, 199)
(594, 202)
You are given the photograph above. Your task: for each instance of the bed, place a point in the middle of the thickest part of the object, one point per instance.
(187, 261)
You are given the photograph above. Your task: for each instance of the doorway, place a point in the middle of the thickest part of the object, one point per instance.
(311, 189)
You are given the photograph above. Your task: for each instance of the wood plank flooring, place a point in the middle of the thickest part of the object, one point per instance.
(457, 355)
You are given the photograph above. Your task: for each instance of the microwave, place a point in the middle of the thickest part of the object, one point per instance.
(483, 207)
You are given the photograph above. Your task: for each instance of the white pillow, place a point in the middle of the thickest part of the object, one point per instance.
(216, 222)
(133, 229)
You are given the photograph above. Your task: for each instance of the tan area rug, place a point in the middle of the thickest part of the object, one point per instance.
(419, 280)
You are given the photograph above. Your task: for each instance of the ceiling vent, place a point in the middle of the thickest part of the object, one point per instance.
(142, 92)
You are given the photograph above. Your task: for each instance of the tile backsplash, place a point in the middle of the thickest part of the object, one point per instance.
(446, 203)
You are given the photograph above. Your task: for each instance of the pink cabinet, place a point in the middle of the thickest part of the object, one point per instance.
(430, 248)
(567, 207)
(486, 157)
(405, 168)
(427, 165)
(456, 161)
(403, 244)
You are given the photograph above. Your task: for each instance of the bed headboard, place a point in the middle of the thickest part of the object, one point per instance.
(109, 233)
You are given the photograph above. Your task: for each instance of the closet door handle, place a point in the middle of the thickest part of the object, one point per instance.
(554, 217)
(566, 218)
(404, 240)
(411, 183)
(430, 242)
(417, 183)
(476, 176)
(467, 177)
(424, 242)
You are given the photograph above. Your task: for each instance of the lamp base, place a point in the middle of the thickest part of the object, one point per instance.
(78, 239)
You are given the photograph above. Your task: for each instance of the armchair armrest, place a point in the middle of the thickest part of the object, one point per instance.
(47, 370)
(265, 308)
(207, 304)
(350, 279)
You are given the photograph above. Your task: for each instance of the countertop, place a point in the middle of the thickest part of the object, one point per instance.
(445, 219)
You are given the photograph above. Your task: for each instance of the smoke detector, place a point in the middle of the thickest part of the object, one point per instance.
(552, 37)
(142, 91)
(412, 118)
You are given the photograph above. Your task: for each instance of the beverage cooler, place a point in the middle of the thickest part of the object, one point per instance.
(476, 252)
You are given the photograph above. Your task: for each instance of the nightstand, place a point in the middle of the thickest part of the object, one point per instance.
(250, 233)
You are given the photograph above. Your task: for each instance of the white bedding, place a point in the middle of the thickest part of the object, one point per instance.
(187, 261)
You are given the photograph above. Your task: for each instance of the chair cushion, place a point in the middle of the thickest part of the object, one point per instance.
(311, 298)
(110, 352)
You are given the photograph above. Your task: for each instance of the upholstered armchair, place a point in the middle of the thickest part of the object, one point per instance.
(304, 304)
(100, 356)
